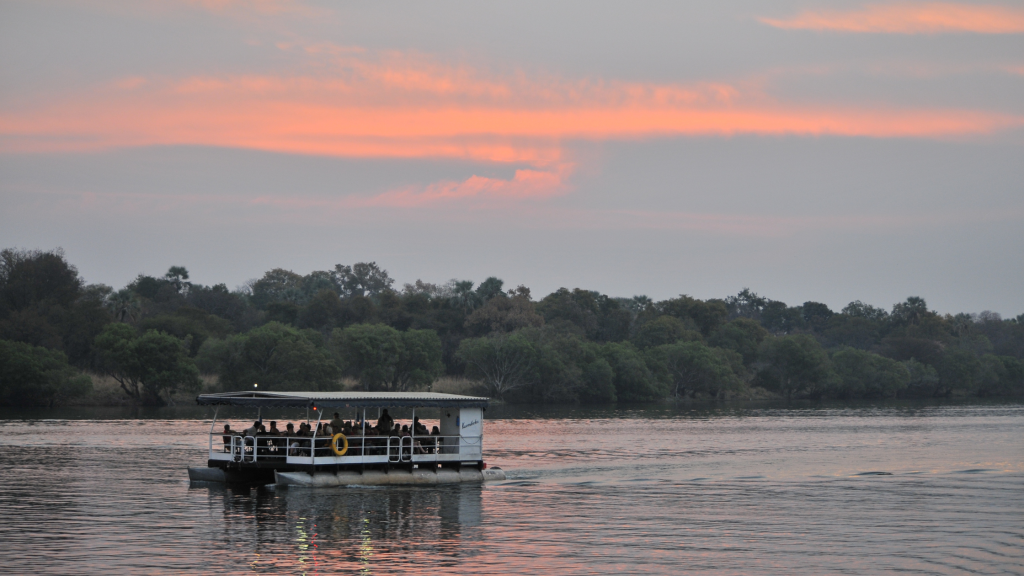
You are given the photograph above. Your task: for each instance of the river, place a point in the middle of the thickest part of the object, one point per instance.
(919, 489)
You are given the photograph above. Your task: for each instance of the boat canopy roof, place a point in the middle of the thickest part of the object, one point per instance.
(343, 399)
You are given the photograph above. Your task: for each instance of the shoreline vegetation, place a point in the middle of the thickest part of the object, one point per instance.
(161, 340)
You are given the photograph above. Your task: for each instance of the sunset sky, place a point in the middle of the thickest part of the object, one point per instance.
(826, 151)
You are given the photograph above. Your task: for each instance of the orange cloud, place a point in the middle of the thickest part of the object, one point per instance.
(910, 18)
(358, 105)
(342, 117)
(525, 184)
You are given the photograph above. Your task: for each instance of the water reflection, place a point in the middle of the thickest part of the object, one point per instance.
(346, 529)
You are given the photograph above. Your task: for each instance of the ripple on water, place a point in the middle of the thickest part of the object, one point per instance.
(758, 494)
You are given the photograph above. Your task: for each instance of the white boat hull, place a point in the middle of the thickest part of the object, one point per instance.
(389, 478)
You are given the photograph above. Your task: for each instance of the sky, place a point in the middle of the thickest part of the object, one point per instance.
(828, 151)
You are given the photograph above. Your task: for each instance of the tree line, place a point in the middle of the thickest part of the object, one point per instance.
(287, 331)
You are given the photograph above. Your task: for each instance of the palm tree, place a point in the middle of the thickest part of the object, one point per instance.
(124, 305)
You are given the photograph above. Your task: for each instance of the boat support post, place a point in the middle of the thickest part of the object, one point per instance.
(213, 425)
(312, 443)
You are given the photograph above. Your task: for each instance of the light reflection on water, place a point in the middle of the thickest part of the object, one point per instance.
(865, 490)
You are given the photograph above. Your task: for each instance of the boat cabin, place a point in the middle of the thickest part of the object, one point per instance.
(359, 453)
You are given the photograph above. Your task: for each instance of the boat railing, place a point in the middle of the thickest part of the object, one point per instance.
(361, 449)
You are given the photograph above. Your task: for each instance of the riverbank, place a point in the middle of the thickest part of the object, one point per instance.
(500, 411)
(108, 397)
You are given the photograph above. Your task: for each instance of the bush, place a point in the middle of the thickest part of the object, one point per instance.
(35, 376)
(863, 374)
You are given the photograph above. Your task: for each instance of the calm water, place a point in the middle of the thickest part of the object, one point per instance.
(769, 491)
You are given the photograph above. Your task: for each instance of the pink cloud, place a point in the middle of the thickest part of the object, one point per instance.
(910, 18)
(525, 184)
(394, 105)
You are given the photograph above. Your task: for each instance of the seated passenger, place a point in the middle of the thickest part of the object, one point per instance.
(419, 429)
(289, 430)
(253, 430)
(437, 441)
(328, 430)
(273, 428)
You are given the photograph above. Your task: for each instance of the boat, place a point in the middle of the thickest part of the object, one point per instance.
(453, 455)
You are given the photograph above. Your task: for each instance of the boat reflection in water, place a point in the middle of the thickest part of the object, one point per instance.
(348, 530)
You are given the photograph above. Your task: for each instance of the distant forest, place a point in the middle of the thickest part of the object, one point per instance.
(351, 326)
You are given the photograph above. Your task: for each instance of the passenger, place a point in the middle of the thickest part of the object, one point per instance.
(397, 430)
(273, 428)
(385, 422)
(419, 429)
(262, 443)
(254, 429)
(228, 433)
(328, 430)
(337, 423)
(289, 430)
(436, 440)
(404, 432)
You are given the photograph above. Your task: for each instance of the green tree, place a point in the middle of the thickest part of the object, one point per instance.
(923, 379)
(362, 279)
(664, 330)
(853, 331)
(568, 369)
(275, 356)
(633, 381)
(277, 285)
(369, 351)
(816, 315)
(794, 365)
(693, 368)
(909, 312)
(781, 319)
(148, 365)
(124, 305)
(858, 309)
(587, 313)
(490, 288)
(383, 358)
(863, 374)
(32, 375)
(707, 315)
(28, 277)
(504, 314)
(504, 362)
(419, 362)
(960, 371)
(43, 302)
(742, 336)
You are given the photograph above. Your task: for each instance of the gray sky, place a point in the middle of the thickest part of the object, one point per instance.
(826, 151)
